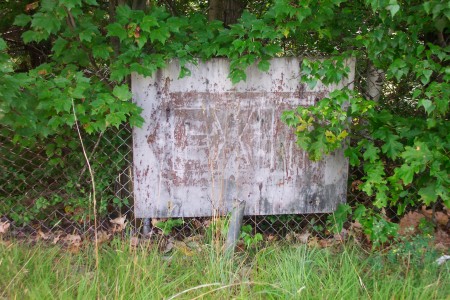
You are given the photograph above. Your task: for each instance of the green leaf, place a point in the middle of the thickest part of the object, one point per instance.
(148, 22)
(101, 51)
(425, 78)
(392, 147)
(393, 7)
(264, 65)
(22, 20)
(116, 29)
(70, 4)
(419, 155)
(123, 12)
(352, 154)
(405, 173)
(3, 44)
(237, 75)
(59, 46)
(86, 35)
(371, 153)
(160, 34)
(46, 23)
(115, 119)
(33, 36)
(91, 2)
(427, 7)
(359, 212)
(427, 105)
(122, 92)
(340, 216)
(428, 194)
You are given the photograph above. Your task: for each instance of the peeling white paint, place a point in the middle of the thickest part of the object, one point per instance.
(206, 141)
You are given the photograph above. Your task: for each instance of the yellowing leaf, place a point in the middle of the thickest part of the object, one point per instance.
(331, 138)
(302, 127)
(342, 135)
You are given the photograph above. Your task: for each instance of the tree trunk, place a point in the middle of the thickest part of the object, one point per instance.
(140, 5)
(227, 11)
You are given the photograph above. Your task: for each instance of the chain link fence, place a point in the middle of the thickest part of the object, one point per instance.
(45, 186)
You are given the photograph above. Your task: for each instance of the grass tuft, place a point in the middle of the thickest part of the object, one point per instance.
(273, 272)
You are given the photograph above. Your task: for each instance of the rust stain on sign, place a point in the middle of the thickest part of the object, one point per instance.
(206, 142)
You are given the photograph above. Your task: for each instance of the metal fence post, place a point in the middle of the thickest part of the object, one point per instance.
(235, 225)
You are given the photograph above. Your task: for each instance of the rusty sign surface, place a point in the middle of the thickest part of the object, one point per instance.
(206, 142)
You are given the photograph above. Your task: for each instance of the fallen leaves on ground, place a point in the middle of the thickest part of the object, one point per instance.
(409, 224)
(442, 240)
(73, 242)
(298, 237)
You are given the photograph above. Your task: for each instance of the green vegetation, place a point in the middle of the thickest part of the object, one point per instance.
(273, 272)
(64, 58)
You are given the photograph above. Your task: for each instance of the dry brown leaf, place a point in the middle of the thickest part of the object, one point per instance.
(340, 237)
(103, 236)
(314, 242)
(5, 243)
(72, 238)
(443, 238)
(409, 223)
(56, 238)
(427, 212)
(73, 242)
(119, 223)
(325, 243)
(194, 238)
(356, 185)
(302, 238)
(183, 248)
(134, 241)
(197, 224)
(290, 237)
(169, 245)
(440, 247)
(356, 225)
(43, 235)
(272, 238)
(31, 6)
(441, 218)
(156, 221)
(240, 247)
(4, 227)
(119, 220)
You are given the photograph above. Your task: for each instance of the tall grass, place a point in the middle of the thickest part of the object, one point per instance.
(273, 272)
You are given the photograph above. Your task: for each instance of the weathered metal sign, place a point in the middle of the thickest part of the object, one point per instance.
(206, 142)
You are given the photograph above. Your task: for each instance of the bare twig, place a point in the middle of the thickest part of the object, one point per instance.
(93, 184)
(91, 155)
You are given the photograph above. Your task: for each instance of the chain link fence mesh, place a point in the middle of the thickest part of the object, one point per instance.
(46, 186)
